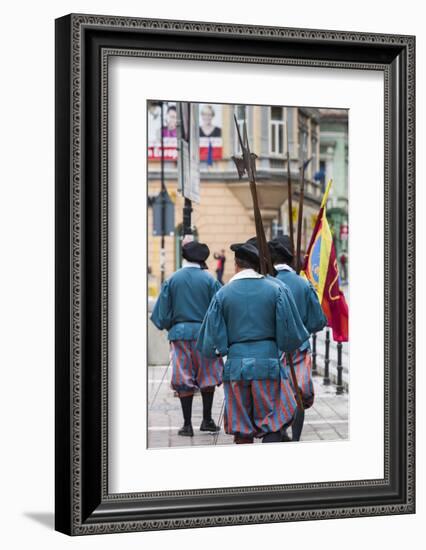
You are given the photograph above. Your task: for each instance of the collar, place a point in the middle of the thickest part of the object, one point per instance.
(185, 263)
(283, 267)
(246, 274)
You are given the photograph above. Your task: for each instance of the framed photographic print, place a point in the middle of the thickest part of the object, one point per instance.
(234, 274)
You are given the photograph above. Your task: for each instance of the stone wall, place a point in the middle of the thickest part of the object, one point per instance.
(220, 220)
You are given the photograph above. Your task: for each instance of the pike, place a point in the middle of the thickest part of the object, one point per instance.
(300, 214)
(299, 219)
(247, 164)
(305, 164)
(290, 204)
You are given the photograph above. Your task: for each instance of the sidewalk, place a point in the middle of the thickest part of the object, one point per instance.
(326, 420)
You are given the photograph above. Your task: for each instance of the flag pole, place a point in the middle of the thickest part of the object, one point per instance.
(327, 191)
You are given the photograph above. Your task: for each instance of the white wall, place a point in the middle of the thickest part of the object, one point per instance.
(26, 302)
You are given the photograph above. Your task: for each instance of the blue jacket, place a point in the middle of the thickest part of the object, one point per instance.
(183, 302)
(306, 300)
(250, 320)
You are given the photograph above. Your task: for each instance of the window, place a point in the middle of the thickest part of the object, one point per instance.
(277, 131)
(303, 143)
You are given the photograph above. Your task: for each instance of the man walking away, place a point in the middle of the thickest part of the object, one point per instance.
(312, 317)
(180, 309)
(250, 320)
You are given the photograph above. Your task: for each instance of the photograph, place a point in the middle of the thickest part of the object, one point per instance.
(248, 274)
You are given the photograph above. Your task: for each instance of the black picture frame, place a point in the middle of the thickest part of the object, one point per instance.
(83, 46)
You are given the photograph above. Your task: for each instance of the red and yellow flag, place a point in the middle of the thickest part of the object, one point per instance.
(320, 268)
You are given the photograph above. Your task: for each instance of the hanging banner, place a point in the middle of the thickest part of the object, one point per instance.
(208, 122)
(211, 145)
(167, 127)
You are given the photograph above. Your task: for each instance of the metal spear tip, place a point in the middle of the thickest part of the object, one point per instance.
(241, 166)
(306, 163)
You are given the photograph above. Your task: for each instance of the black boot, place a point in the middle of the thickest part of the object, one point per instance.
(186, 403)
(272, 437)
(208, 424)
(297, 426)
(186, 430)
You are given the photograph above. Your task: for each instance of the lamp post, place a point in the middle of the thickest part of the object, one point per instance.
(163, 203)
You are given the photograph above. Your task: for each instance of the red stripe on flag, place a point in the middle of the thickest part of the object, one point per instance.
(334, 303)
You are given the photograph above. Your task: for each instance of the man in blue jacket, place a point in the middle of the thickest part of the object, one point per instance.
(312, 317)
(249, 320)
(180, 309)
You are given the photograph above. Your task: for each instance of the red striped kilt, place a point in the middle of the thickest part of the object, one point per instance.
(257, 407)
(191, 370)
(302, 361)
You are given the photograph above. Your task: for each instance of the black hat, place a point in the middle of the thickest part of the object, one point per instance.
(281, 246)
(196, 252)
(246, 251)
(252, 241)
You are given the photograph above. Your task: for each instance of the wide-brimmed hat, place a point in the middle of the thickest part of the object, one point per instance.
(196, 252)
(281, 246)
(246, 251)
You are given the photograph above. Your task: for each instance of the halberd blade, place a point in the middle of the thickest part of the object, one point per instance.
(241, 166)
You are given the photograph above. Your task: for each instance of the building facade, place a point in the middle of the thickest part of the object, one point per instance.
(334, 164)
(224, 214)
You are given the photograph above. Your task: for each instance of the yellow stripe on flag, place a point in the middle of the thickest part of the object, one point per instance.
(326, 244)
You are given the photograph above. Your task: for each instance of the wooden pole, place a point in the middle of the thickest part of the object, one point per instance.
(290, 195)
(265, 261)
(300, 217)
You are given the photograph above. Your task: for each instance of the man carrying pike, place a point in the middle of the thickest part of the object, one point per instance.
(249, 320)
(312, 317)
(180, 309)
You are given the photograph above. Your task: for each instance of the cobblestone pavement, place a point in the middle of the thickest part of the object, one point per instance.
(326, 420)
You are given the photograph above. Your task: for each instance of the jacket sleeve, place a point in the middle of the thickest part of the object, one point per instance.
(214, 288)
(316, 320)
(213, 336)
(290, 330)
(162, 314)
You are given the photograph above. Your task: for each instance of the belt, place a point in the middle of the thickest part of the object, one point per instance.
(253, 341)
(187, 321)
